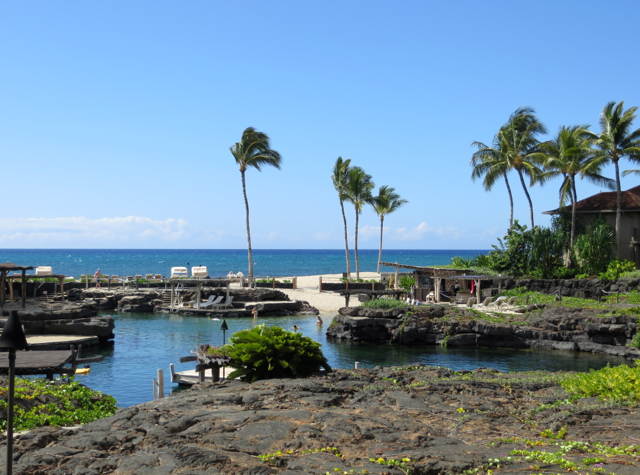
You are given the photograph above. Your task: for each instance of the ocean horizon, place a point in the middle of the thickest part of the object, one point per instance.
(219, 262)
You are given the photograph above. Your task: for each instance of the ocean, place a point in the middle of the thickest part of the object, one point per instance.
(267, 262)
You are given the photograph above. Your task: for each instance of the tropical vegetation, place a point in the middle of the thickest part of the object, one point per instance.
(253, 151)
(385, 202)
(264, 352)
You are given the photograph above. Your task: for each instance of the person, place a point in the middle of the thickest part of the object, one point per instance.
(97, 275)
(319, 321)
(296, 328)
(254, 312)
(456, 288)
(231, 275)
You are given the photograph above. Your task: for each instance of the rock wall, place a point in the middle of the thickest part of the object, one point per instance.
(581, 288)
(558, 328)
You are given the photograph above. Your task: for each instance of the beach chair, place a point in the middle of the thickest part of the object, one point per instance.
(179, 272)
(512, 302)
(199, 272)
(499, 302)
(211, 302)
(44, 270)
(484, 305)
(225, 304)
(114, 279)
(470, 302)
(158, 277)
(138, 277)
(148, 277)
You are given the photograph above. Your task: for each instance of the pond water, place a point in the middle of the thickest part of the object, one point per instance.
(145, 343)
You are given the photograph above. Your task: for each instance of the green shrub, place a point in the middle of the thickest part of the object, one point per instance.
(406, 282)
(270, 352)
(71, 403)
(461, 262)
(616, 268)
(385, 303)
(634, 274)
(594, 248)
(620, 384)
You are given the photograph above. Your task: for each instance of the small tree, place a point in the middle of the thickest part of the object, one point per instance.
(270, 352)
(594, 248)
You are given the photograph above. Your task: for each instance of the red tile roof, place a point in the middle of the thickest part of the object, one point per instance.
(606, 201)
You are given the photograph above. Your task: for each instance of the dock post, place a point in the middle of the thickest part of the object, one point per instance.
(274, 282)
(172, 372)
(320, 284)
(295, 283)
(160, 384)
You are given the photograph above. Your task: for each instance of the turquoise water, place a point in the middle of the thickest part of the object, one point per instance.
(147, 342)
(267, 262)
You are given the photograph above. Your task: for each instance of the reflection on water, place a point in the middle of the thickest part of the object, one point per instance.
(145, 343)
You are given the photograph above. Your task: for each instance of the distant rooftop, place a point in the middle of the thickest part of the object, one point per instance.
(605, 202)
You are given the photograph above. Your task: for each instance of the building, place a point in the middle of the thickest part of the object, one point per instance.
(604, 204)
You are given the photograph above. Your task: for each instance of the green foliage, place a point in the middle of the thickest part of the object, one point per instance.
(359, 281)
(620, 384)
(481, 260)
(594, 248)
(616, 268)
(546, 252)
(385, 303)
(270, 352)
(513, 254)
(561, 224)
(73, 404)
(406, 282)
(634, 274)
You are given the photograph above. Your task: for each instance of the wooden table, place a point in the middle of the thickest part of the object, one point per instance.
(40, 362)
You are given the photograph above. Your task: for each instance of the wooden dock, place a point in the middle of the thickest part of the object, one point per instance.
(60, 342)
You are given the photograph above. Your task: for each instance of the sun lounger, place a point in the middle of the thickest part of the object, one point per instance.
(179, 272)
(199, 272)
(484, 305)
(114, 279)
(499, 302)
(226, 304)
(211, 302)
(44, 270)
(470, 302)
(148, 277)
(512, 302)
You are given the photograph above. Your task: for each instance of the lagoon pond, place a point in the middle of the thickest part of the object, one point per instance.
(145, 343)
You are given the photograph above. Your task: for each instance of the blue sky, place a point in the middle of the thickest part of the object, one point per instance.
(118, 116)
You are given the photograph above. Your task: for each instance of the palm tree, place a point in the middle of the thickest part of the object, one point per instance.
(358, 192)
(340, 177)
(569, 154)
(491, 163)
(616, 140)
(518, 141)
(387, 201)
(253, 150)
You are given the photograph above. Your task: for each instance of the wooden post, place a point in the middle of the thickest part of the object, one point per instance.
(11, 281)
(160, 384)
(24, 288)
(173, 292)
(395, 282)
(215, 373)
(479, 292)
(346, 284)
(436, 287)
(274, 282)
(62, 288)
(320, 284)
(86, 280)
(3, 278)
(198, 298)
(295, 283)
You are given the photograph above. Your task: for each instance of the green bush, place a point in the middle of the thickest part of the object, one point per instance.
(385, 303)
(406, 282)
(270, 352)
(616, 268)
(620, 384)
(594, 248)
(70, 403)
(634, 274)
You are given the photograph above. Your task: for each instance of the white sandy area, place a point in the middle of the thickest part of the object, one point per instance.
(325, 302)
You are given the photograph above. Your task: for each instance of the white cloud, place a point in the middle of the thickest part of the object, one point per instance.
(79, 229)
(415, 234)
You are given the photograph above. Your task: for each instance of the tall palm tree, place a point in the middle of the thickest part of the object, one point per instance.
(340, 177)
(616, 141)
(571, 154)
(386, 202)
(518, 141)
(491, 163)
(358, 192)
(253, 150)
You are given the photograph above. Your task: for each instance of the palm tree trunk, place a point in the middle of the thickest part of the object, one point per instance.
(346, 241)
(381, 230)
(246, 207)
(573, 212)
(618, 196)
(526, 192)
(510, 200)
(356, 247)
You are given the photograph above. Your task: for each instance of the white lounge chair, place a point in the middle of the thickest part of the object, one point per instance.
(211, 302)
(179, 272)
(44, 270)
(114, 279)
(499, 302)
(199, 272)
(225, 304)
(485, 304)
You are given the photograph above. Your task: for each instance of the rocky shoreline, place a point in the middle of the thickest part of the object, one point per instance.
(359, 421)
(553, 327)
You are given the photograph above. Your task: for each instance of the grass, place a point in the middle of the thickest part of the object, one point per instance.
(385, 303)
(620, 384)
